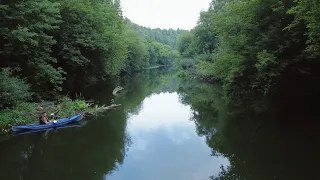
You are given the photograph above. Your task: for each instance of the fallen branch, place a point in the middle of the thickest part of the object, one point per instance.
(99, 109)
(112, 106)
(116, 90)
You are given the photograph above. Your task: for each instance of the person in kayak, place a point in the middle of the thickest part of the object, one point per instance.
(43, 119)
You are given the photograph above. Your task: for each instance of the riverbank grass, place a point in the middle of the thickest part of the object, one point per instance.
(20, 114)
(25, 113)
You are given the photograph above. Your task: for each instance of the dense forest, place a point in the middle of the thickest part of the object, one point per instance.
(48, 46)
(256, 47)
(164, 36)
(148, 47)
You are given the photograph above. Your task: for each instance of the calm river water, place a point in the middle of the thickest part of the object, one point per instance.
(167, 129)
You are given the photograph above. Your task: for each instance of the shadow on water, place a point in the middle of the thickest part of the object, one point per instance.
(88, 152)
(267, 141)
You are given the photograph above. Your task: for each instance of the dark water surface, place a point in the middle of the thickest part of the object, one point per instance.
(168, 129)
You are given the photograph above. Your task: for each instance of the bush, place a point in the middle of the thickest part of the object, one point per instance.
(183, 75)
(187, 63)
(204, 57)
(204, 68)
(12, 89)
(21, 114)
(67, 107)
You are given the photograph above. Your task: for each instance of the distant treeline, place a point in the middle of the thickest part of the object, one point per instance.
(164, 36)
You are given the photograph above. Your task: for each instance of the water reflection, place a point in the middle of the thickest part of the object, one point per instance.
(80, 153)
(165, 144)
(160, 111)
(260, 143)
(168, 129)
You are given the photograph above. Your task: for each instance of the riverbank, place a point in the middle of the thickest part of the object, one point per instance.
(26, 113)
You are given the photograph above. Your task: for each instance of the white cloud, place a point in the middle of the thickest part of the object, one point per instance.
(161, 111)
(165, 144)
(164, 14)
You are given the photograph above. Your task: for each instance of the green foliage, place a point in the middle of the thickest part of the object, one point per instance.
(187, 63)
(163, 36)
(204, 68)
(24, 113)
(67, 107)
(161, 46)
(183, 75)
(163, 54)
(200, 40)
(91, 39)
(12, 90)
(205, 40)
(26, 41)
(21, 114)
(307, 11)
(185, 46)
(251, 44)
(138, 54)
(54, 45)
(264, 59)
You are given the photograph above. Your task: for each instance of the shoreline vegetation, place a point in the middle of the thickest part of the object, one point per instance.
(189, 69)
(255, 48)
(29, 112)
(48, 47)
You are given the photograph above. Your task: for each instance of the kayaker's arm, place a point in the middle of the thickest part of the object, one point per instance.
(45, 121)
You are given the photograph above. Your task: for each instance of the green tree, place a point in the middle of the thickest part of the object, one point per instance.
(163, 53)
(251, 45)
(164, 36)
(205, 36)
(26, 42)
(307, 11)
(91, 41)
(185, 46)
(56, 45)
(138, 54)
(12, 89)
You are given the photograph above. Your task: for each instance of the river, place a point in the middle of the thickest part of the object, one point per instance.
(168, 129)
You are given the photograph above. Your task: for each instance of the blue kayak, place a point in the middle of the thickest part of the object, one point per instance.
(70, 125)
(37, 126)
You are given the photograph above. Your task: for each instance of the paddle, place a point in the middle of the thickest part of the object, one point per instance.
(54, 121)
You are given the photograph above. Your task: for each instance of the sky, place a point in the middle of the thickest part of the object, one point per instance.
(164, 14)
